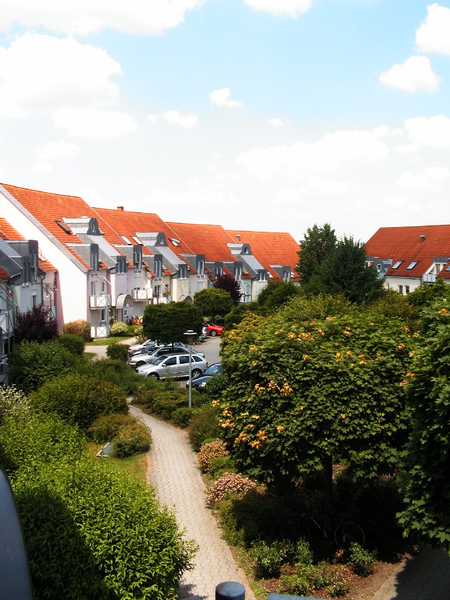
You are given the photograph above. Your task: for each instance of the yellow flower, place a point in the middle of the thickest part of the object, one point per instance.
(444, 312)
(338, 356)
(280, 428)
(215, 403)
(401, 347)
(286, 390)
(252, 348)
(291, 336)
(226, 412)
(306, 358)
(255, 417)
(262, 435)
(255, 444)
(349, 353)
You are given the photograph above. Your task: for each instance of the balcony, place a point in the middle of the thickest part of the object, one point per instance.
(140, 295)
(429, 278)
(101, 301)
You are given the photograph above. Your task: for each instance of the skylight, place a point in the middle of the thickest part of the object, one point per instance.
(66, 228)
(411, 265)
(176, 243)
(126, 240)
(397, 264)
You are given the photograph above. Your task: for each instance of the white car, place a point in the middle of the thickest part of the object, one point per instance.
(174, 366)
(144, 346)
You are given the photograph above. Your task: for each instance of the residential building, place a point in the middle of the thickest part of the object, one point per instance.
(407, 257)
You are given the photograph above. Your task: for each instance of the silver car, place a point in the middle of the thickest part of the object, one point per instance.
(138, 360)
(174, 366)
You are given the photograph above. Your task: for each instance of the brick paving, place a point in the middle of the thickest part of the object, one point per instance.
(174, 475)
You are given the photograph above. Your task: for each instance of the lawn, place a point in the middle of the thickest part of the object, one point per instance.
(136, 465)
(109, 340)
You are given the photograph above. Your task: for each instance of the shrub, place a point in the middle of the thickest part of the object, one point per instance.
(104, 429)
(220, 466)
(303, 552)
(361, 561)
(79, 400)
(117, 352)
(36, 325)
(269, 558)
(332, 579)
(32, 439)
(91, 532)
(204, 427)
(33, 364)
(229, 485)
(167, 401)
(138, 332)
(131, 439)
(81, 328)
(212, 302)
(13, 402)
(209, 452)
(182, 416)
(73, 343)
(112, 371)
(119, 328)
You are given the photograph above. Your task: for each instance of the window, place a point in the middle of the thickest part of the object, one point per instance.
(137, 257)
(400, 289)
(397, 264)
(411, 265)
(218, 270)
(286, 276)
(93, 288)
(200, 267)
(95, 263)
(182, 271)
(262, 276)
(103, 287)
(406, 289)
(121, 264)
(176, 243)
(237, 271)
(103, 315)
(170, 362)
(196, 359)
(34, 300)
(157, 291)
(184, 360)
(158, 266)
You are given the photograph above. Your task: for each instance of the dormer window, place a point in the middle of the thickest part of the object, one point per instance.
(93, 228)
(218, 270)
(262, 275)
(396, 265)
(121, 264)
(182, 271)
(158, 266)
(94, 260)
(286, 275)
(137, 257)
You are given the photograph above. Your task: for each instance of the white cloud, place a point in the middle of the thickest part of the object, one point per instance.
(433, 36)
(40, 72)
(176, 119)
(276, 123)
(430, 179)
(332, 153)
(84, 17)
(93, 123)
(414, 75)
(431, 132)
(222, 98)
(51, 152)
(289, 8)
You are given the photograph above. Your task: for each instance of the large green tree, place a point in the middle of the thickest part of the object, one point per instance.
(167, 323)
(213, 301)
(426, 477)
(229, 284)
(318, 244)
(276, 294)
(308, 388)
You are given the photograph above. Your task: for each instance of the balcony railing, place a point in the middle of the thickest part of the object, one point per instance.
(101, 301)
(99, 331)
(140, 295)
(429, 278)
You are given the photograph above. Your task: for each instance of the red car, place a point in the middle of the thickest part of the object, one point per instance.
(214, 330)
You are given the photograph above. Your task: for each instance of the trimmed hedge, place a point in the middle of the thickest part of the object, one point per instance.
(79, 400)
(73, 343)
(131, 439)
(90, 532)
(32, 364)
(117, 352)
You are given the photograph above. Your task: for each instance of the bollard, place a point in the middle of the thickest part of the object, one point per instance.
(230, 590)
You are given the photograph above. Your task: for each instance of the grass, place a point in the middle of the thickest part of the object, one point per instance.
(90, 355)
(109, 340)
(135, 466)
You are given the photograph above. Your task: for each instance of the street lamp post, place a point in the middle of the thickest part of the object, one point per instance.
(189, 336)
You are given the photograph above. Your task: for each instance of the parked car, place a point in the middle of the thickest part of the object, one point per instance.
(174, 366)
(214, 330)
(137, 348)
(199, 383)
(141, 359)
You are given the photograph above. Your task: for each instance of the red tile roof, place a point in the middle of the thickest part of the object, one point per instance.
(211, 241)
(7, 232)
(419, 244)
(270, 248)
(48, 208)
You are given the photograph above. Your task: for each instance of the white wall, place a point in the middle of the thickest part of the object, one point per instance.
(257, 288)
(72, 278)
(24, 296)
(393, 283)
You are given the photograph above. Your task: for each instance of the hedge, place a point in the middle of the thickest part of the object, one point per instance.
(81, 328)
(112, 371)
(131, 439)
(90, 532)
(79, 400)
(117, 352)
(104, 429)
(73, 343)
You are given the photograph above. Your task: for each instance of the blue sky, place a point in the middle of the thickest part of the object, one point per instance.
(334, 110)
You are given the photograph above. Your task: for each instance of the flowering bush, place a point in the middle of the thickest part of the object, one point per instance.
(119, 328)
(13, 402)
(210, 452)
(230, 484)
(81, 328)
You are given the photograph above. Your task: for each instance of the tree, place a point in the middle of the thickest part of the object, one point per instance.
(318, 245)
(230, 285)
(345, 271)
(276, 294)
(306, 393)
(426, 483)
(36, 325)
(425, 295)
(167, 323)
(213, 301)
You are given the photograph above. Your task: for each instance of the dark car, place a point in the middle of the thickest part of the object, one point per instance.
(199, 383)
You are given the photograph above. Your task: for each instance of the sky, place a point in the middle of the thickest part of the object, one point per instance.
(254, 114)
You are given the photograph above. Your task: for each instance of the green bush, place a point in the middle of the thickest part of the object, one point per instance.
(303, 552)
(31, 439)
(32, 364)
(13, 402)
(117, 352)
(310, 578)
(119, 328)
(269, 558)
(219, 466)
(204, 427)
(112, 371)
(81, 328)
(167, 401)
(361, 561)
(73, 343)
(91, 532)
(131, 439)
(79, 400)
(104, 429)
(182, 416)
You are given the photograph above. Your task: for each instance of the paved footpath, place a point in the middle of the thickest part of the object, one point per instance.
(178, 483)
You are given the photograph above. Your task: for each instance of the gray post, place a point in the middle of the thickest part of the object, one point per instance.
(230, 590)
(14, 576)
(190, 378)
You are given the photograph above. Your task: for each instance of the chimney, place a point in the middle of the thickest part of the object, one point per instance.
(120, 208)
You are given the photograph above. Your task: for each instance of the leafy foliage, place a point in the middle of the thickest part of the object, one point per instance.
(318, 245)
(235, 316)
(32, 364)
(276, 294)
(81, 328)
(117, 352)
(131, 439)
(167, 323)
(73, 343)
(229, 485)
(304, 392)
(213, 301)
(36, 325)
(425, 295)
(229, 284)
(111, 371)
(426, 484)
(362, 561)
(210, 452)
(13, 402)
(119, 328)
(204, 426)
(105, 428)
(79, 400)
